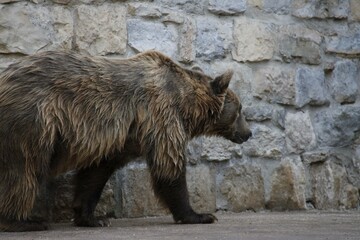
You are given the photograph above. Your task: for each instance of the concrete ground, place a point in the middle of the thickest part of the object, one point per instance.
(247, 226)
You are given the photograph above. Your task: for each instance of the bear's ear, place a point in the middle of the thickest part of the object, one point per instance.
(221, 83)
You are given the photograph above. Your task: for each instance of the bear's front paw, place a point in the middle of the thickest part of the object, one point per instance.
(92, 222)
(198, 218)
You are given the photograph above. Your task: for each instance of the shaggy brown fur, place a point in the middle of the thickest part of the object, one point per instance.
(63, 111)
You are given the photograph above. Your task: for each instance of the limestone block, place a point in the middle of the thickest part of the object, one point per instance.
(299, 133)
(350, 159)
(288, 185)
(278, 117)
(144, 35)
(276, 84)
(101, 30)
(331, 189)
(201, 186)
(349, 45)
(337, 126)
(310, 87)
(343, 82)
(315, 157)
(266, 142)
(189, 6)
(258, 113)
(219, 149)
(320, 9)
(297, 31)
(227, 7)
(253, 40)
(277, 6)
(144, 10)
(212, 38)
(187, 38)
(242, 187)
(135, 196)
(34, 28)
(300, 49)
(355, 10)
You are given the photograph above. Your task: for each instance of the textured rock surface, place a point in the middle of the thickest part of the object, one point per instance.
(321, 9)
(288, 185)
(331, 189)
(299, 132)
(202, 188)
(148, 36)
(265, 143)
(344, 44)
(101, 30)
(275, 84)
(343, 82)
(310, 87)
(243, 188)
(135, 196)
(212, 38)
(35, 28)
(337, 126)
(227, 7)
(296, 69)
(254, 40)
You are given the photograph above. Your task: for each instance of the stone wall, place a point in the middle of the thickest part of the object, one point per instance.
(296, 69)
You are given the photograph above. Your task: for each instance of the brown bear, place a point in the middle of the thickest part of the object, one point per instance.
(63, 111)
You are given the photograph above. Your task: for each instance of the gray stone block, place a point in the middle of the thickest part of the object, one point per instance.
(143, 35)
(343, 82)
(227, 7)
(349, 45)
(293, 49)
(211, 38)
(135, 196)
(202, 188)
(101, 30)
(288, 185)
(275, 83)
(337, 127)
(189, 6)
(219, 149)
(266, 143)
(258, 113)
(242, 187)
(187, 50)
(254, 40)
(331, 189)
(35, 28)
(299, 133)
(277, 6)
(310, 87)
(321, 9)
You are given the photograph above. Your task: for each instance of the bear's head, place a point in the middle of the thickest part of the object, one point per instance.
(231, 124)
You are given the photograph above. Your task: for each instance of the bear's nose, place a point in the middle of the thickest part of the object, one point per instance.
(249, 135)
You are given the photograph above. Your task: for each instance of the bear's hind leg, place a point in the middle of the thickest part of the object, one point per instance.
(174, 194)
(89, 185)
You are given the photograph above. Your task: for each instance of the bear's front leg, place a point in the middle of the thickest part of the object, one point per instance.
(174, 194)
